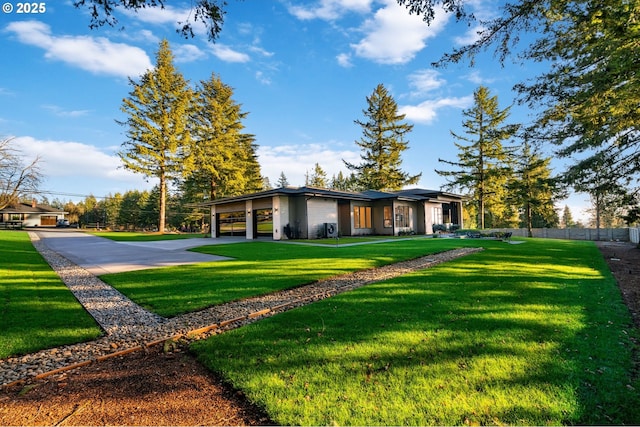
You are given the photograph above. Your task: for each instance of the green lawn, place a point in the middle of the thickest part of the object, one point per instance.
(37, 311)
(258, 268)
(529, 334)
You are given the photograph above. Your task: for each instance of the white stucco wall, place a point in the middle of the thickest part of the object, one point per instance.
(320, 211)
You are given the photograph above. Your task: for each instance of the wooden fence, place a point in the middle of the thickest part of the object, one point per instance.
(634, 235)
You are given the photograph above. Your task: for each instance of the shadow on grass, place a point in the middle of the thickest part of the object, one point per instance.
(259, 268)
(536, 335)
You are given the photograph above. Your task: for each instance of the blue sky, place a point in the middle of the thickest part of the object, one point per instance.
(301, 69)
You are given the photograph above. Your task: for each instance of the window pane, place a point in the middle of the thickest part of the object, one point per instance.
(387, 217)
(362, 217)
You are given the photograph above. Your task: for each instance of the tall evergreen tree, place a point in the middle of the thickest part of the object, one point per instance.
(131, 207)
(253, 179)
(607, 194)
(111, 207)
(318, 177)
(158, 134)
(344, 183)
(567, 218)
(382, 143)
(483, 168)
(533, 189)
(282, 180)
(217, 158)
(590, 91)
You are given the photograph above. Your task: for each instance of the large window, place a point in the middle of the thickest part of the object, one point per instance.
(264, 222)
(362, 216)
(402, 217)
(388, 217)
(232, 223)
(437, 215)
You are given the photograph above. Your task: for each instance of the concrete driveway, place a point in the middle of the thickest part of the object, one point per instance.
(101, 256)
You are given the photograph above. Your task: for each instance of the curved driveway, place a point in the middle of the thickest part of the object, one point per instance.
(99, 255)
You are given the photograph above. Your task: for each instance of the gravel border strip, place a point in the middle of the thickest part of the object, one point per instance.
(129, 328)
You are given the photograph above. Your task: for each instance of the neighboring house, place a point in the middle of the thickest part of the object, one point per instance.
(309, 213)
(30, 215)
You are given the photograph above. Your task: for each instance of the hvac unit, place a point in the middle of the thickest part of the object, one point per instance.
(330, 229)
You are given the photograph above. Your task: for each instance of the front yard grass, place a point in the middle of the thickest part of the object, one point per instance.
(37, 311)
(258, 268)
(530, 334)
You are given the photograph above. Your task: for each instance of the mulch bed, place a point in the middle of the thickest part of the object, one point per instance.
(142, 388)
(158, 388)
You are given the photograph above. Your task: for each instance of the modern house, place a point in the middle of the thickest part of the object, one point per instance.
(309, 213)
(29, 215)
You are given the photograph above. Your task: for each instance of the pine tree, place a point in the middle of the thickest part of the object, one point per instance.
(588, 96)
(567, 218)
(343, 183)
(597, 179)
(254, 181)
(318, 178)
(383, 142)
(157, 133)
(483, 168)
(216, 156)
(282, 180)
(131, 206)
(533, 189)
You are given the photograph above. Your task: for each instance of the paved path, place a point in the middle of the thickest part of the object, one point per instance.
(99, 255)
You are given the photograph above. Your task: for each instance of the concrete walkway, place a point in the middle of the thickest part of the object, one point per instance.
(99, 255)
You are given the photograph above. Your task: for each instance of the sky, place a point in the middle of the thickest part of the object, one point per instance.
(302, 70)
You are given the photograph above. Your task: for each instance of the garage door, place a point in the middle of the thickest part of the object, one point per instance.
(48, 220)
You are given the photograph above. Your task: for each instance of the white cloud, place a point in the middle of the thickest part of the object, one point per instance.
(330, 10)
(147, 35)
(188, 53)
(167, 15)
(394, 37)
(226, 54)
(424, 81)
(260, 76)
(261, 51)
(296, 160)
(95, 54)
(427, 111)
(72, 159)
(344, 60)
(70, 167)
(74, 167)
(61, 112)
(475, 77)
(471, 36)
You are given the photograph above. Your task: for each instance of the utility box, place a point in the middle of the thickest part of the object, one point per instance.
(330, 229)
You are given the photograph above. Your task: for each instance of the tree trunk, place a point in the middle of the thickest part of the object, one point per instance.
(529, 216)
(163, 204)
